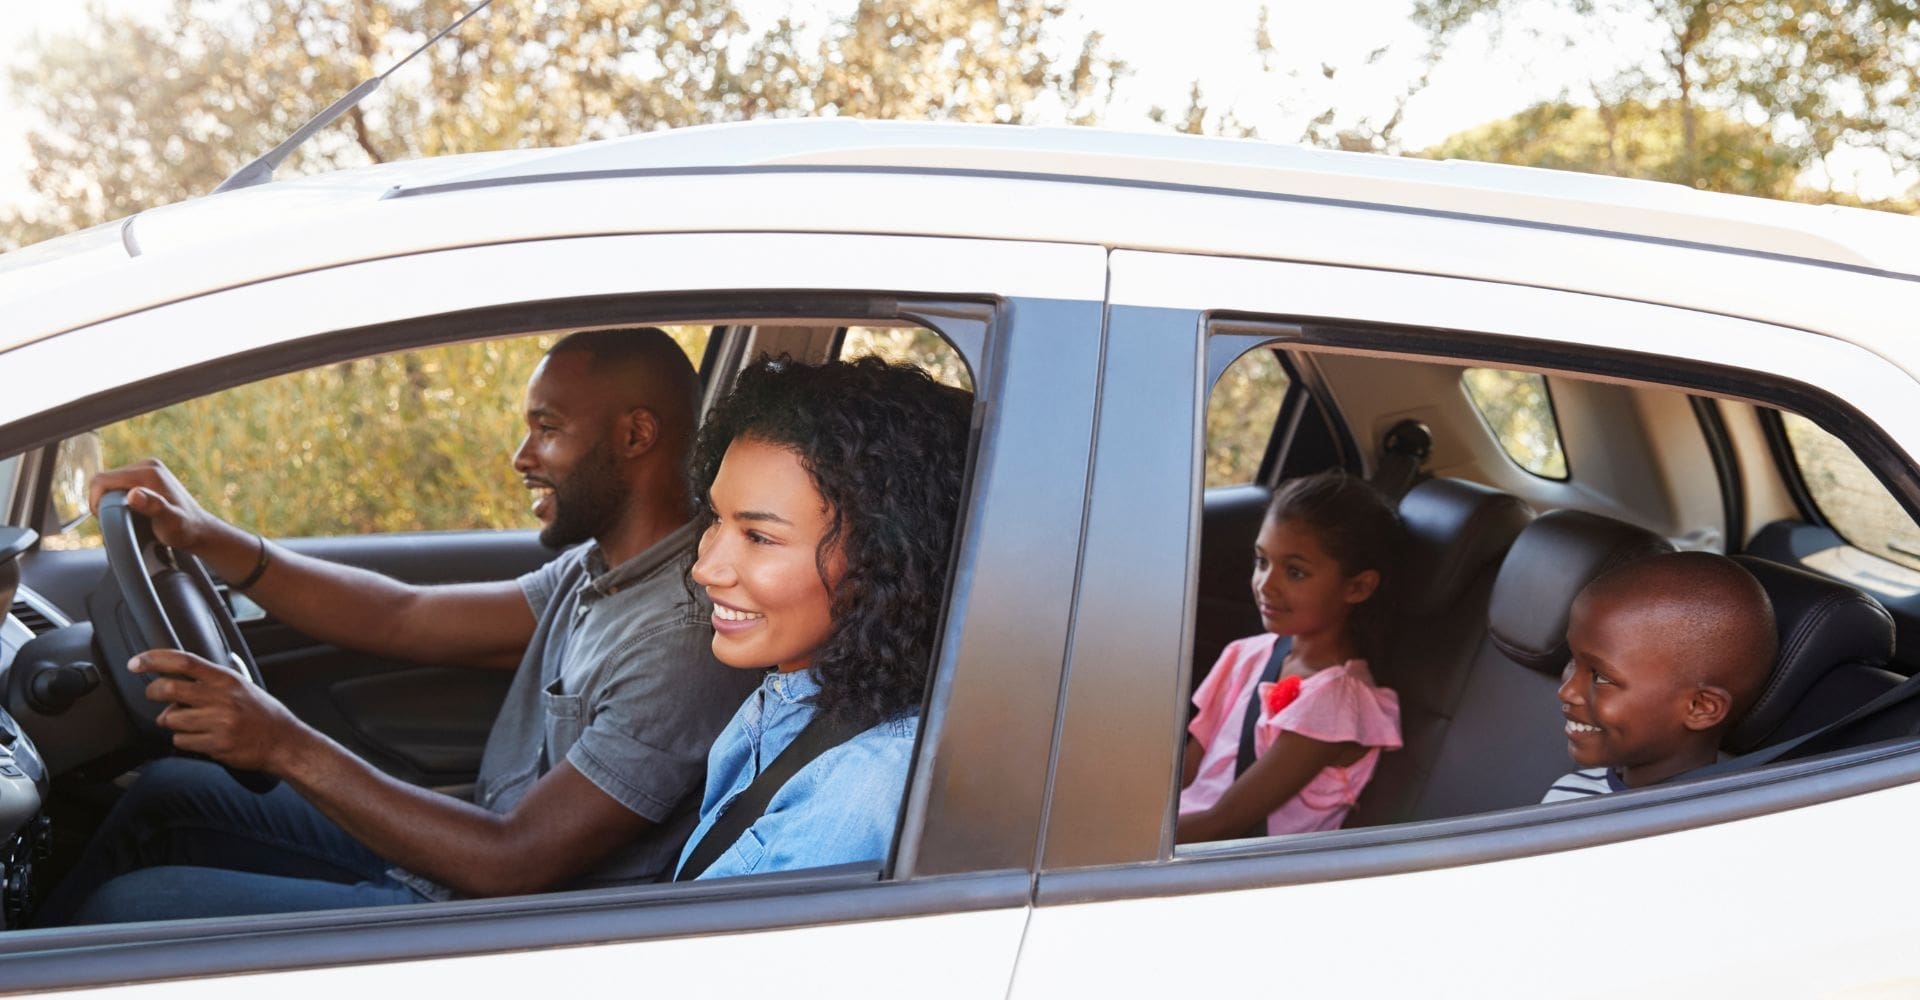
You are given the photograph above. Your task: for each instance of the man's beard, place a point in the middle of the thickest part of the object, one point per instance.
(587, 502)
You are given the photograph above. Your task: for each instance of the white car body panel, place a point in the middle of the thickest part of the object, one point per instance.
(1166, 193)
(210, 327)
(1817, 296)
(1719, 911)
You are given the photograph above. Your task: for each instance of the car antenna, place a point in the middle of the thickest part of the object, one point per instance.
(260, 170)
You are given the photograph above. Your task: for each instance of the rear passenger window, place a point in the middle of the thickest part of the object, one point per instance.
(1518, 410)
(1849, 496)
(1240, 417)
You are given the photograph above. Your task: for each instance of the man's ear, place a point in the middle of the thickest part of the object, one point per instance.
(1707, 707)
(1361, 585)
(639, 431)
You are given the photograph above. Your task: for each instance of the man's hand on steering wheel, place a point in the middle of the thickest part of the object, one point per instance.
(158, 596)
(214, 711)
(178, 520)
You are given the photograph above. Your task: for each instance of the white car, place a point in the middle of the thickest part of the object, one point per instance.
(1707, 367)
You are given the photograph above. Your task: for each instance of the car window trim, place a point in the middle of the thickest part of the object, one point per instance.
(1726, 467)
(1305, 401)
(1787, 463)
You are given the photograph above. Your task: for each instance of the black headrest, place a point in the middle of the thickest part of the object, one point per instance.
(1455, 529)
(1558, 554)
(1822, 624)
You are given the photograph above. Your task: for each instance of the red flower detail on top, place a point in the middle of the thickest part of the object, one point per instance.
(1280, 694)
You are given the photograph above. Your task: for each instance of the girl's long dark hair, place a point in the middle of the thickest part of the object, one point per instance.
(1356, 525)
(886, 447)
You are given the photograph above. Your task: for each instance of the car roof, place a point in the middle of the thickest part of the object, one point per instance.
(1833, 234)
(255, 233)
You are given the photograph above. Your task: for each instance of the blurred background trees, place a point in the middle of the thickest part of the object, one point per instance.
(1767, 97)
(134, 114)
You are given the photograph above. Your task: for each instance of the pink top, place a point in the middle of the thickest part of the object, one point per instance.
(1339, 704)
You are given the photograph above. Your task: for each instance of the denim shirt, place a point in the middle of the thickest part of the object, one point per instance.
(838, 809)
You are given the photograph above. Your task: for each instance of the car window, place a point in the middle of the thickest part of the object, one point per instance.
(1240, 415)
(410, 441)
(1850, 497)
(909, 345)
(1518, 409)
(1240, 696)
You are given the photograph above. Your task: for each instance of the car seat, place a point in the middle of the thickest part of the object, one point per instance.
(1835, 642)
(1503, 743)
(1457, 532)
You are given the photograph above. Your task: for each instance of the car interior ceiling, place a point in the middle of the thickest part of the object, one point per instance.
(1496, 556)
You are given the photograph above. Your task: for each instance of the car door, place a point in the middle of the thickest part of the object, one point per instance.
(946, 917)
(1678, 891)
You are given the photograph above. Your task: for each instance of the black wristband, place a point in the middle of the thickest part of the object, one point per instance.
(258, 567)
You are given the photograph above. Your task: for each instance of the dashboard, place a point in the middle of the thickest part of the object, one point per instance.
(24, 827)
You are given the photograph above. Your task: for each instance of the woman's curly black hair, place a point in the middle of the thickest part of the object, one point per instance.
(886, 447)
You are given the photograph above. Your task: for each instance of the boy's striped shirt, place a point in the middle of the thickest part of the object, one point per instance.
(1585, 782)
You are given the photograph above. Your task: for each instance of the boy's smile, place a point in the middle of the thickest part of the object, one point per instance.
(1626, 694)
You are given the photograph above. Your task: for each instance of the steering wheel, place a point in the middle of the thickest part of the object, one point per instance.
(166, 600)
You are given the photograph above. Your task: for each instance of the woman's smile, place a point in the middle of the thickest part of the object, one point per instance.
(733, 620)
(761, 561)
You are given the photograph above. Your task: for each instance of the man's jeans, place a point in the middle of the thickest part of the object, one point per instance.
(187, 841)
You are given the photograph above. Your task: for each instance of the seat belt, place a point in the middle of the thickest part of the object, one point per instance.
(1904, 691)
(820, 735)
(1252, 720)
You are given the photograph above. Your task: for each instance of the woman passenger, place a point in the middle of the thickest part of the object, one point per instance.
(830, 495)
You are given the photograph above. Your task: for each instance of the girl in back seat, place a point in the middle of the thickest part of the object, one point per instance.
(1290, 722)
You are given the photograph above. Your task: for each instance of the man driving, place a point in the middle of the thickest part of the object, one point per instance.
(592, 770)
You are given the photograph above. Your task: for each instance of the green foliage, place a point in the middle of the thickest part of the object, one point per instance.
(1791, 79)
(912, 346)
(1634, 140)
(1852, 499)
(418, 440)
(1517, 408)
(136, 114)
(1240, 415)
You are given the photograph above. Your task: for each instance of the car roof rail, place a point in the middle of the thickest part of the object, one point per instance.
(261, 169)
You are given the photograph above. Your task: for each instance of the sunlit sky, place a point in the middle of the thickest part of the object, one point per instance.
(1167, 47)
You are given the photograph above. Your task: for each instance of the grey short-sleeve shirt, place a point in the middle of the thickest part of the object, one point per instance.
(619, 681)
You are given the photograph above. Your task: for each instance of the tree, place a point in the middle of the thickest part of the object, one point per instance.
(140, 114)
(1815, 75)
(1635, 140)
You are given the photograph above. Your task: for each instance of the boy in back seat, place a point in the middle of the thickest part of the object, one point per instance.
(1668, 652)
